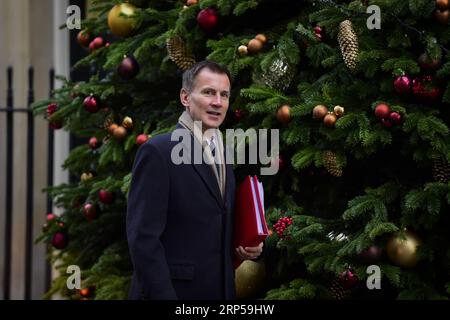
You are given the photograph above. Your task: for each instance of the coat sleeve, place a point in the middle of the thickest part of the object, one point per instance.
(146, 219)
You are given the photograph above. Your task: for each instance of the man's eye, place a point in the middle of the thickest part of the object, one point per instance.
(208, 92)
(225, 95)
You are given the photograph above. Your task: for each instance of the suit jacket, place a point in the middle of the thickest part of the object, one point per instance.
(179, 229)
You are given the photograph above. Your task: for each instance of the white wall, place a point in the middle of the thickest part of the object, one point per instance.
(30, 35)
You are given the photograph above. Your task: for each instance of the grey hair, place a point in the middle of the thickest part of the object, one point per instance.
(190, 74)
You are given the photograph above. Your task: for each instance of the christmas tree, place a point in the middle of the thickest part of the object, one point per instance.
(362, 106)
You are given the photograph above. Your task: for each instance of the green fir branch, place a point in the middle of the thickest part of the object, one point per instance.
(244, 6)
(407, 65)
(303, 158)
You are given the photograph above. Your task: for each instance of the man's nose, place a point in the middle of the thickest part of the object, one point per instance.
(218, 99)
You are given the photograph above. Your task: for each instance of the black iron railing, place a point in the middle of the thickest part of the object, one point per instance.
(10, 111)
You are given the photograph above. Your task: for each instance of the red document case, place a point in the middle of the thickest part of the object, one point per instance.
(250, 227)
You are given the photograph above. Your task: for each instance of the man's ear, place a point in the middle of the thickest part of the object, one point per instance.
(184, 97)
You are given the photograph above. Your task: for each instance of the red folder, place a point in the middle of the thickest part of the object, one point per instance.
(250, 227)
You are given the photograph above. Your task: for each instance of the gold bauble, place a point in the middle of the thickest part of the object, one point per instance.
(86, 176)
(191, 2)
(127, 123)
(250, 278)
(442, 16)
(243, 51)
(254, 46)
(330, 120)
(112, 128)
(120, 133)
(284, 114)
(261, 37)
(320, 111)
(402, 249)
(119, 21)
(442, 4)
(338, 111)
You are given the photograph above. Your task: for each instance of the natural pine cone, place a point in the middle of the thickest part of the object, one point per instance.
(178, 53)
(441, 170)
(331, 164)
(337, 290)
(348, 42)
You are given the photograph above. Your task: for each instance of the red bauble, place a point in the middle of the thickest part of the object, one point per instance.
(402, 85)
(94, 143)
(91, 104)
(425, 89)
(427, 64)
(207, 19)
(280, 162)
(50, 216)
(86, 292)
(51, 109)
(55, 125)
(60, 240)
(106, 197)
(97, 43)
(348, 279)
(382, 111)
(90, 211)
(83, 38)
(141, 139)
(387, 122)
(395, 117)
(238, 114)
(128, 68)
(318, 33)
(371, 255)
(317, 29)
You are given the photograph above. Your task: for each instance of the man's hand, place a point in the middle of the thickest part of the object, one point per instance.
(249, 252)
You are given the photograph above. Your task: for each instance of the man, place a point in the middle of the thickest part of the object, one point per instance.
(180, 216)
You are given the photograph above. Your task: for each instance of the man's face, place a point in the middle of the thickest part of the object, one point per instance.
(209, 99)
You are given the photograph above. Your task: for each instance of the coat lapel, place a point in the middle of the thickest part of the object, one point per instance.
(228, 182)
(203, 170)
